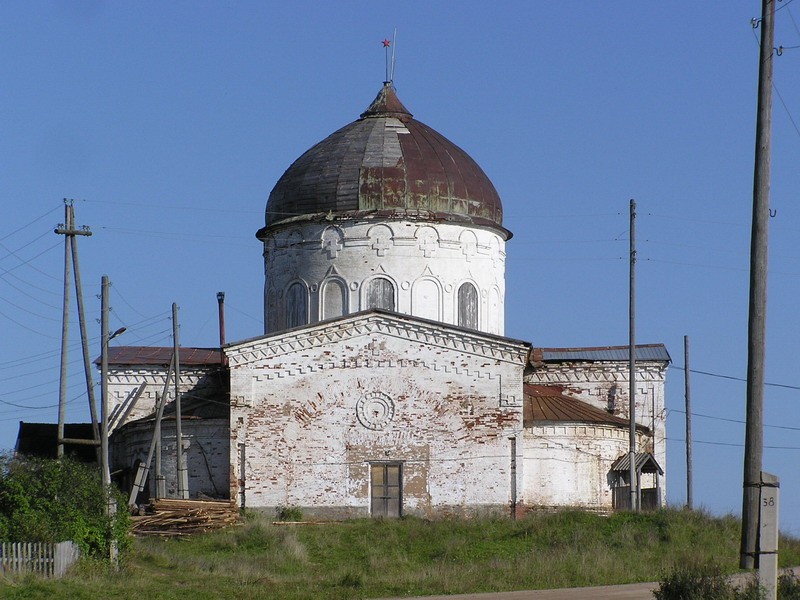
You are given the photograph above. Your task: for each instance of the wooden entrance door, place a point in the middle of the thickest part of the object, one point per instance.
(387, 489)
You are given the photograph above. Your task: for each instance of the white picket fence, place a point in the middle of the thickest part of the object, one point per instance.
(48, 560)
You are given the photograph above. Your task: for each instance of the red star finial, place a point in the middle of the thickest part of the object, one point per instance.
(386, 43)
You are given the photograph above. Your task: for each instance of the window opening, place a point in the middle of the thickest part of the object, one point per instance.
(380, 294)
(296, 306)
(468, 306)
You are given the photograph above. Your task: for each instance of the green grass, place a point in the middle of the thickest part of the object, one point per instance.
(372, 559)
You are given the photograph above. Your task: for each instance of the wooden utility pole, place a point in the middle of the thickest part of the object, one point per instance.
(140, 480)
(183, 475)
(68, 230)
(756, 327)
(634, 491)
(687, 391)
(87, 361)
(105, 471)
(105, 338)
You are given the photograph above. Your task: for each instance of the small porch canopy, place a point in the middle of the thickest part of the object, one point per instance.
(647, 498)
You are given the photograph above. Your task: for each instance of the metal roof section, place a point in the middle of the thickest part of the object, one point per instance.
(548, 403)
(162, 355)
(645, 463)
(644, 352)
(385, 162)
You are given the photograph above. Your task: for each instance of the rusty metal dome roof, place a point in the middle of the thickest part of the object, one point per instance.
(385, 164)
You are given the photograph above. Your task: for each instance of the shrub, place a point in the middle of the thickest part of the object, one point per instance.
(47, 500)
(695, 582)
(289, 513)
(707, 582)
(788, 586)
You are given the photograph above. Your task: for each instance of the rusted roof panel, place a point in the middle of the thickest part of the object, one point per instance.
(656, 352)
(386, 160)
(644, 463)
(161, 355)
(548, 403)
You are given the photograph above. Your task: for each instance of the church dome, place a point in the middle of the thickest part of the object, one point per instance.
(386, 164)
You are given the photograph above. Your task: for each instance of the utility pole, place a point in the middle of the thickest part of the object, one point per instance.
(756, 326)
(155, 447)
(689, 495)
(68, 230)
(634, 491)
(183, 475)
(105, 471)
(105, 338)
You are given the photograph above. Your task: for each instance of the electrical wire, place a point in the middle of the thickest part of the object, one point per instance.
(732, 378)
(39, 218)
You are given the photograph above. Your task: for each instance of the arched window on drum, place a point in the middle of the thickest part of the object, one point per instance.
(334, 299)
(380, 294)
(468, 306)
(296, 305)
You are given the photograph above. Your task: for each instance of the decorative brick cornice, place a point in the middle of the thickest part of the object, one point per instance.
(595, 373)
(400, 326)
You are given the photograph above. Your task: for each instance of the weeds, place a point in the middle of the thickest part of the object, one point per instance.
(289, 513)
(409, 556)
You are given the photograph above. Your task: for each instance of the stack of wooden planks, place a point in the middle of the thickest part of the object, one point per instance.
(170, 517)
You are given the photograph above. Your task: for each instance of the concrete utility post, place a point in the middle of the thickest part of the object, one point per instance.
(768, 535)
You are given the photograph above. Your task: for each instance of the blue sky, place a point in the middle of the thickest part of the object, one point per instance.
(169, 123)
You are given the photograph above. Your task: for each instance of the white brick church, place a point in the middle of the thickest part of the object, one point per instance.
(384, 383)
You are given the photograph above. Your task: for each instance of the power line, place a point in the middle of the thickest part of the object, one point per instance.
(39, 218)
(732, 445)
(740, 421)
(731, 377)
(30, 260)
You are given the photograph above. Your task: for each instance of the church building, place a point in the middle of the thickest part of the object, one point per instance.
(384, 383)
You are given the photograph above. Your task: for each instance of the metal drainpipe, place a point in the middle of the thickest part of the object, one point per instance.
(221, 303)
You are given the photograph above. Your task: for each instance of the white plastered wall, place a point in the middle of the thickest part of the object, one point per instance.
(454, 401)
(605, 385)
(425, 261)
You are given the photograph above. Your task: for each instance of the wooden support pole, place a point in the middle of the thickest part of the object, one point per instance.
(632, 473)
(757, 321)
(687, 392)
(183, 475)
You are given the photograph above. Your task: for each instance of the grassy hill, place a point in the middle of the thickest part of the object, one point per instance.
(371, 559)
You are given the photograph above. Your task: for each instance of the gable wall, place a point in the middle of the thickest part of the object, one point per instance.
(308, 444)
(124, 379)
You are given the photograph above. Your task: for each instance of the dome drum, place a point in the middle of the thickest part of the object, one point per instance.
(419, 268)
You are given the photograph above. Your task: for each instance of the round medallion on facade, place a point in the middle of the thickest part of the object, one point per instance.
(375, 410)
